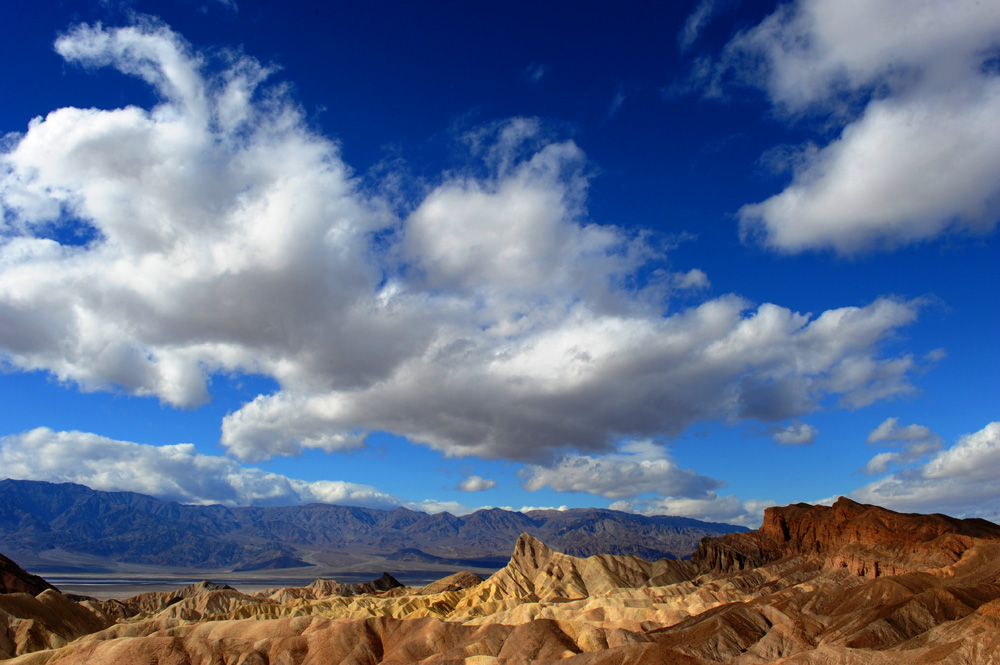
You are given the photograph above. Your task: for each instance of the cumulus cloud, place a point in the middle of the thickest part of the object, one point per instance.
(911, 442)
(692, 279)
(476, 484)
(963, 480)
(581, 379)
(220, 234)
(174, 472)
(911, 87)
(641, 467)
(227, 237)
(795, 434)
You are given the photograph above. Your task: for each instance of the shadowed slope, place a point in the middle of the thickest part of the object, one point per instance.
(14, 579)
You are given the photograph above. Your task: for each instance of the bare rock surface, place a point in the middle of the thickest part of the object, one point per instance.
(455, 582)
(869, 540)
(847, 585)
(14, 579)
(47, 621)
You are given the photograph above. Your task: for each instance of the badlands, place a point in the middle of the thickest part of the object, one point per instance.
(845, 584)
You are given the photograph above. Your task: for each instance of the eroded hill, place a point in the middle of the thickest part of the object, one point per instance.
(843, 584)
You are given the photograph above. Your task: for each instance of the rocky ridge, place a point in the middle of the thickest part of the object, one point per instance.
(14, 579)
(927, 590)
(59, 527)
(869, 540)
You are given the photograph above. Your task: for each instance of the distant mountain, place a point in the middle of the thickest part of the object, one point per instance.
(62, 526)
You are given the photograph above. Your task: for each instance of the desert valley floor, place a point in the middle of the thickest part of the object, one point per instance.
(844, 584)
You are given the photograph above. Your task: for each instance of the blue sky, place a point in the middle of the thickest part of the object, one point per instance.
(691, 258)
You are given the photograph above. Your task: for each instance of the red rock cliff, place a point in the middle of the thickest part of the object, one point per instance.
(868, 540)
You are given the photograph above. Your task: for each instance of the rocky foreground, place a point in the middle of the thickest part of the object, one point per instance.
(843, 584)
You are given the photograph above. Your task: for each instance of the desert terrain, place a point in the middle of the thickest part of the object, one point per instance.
(845, 584)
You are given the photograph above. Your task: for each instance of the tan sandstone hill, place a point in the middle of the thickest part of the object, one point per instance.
(847, 585)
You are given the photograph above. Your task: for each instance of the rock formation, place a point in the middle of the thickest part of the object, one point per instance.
(13, 579)
(848, 584)
(870, 540)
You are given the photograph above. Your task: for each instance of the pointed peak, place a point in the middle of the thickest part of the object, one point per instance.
(386, 582)
(843, 503)
(202, 587)
(527, 540)
(529, 546)
(324, 585)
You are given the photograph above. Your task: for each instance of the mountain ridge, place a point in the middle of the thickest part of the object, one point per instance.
(62, 521)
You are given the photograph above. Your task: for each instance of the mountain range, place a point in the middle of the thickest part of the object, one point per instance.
(69, 528)
(847, 584)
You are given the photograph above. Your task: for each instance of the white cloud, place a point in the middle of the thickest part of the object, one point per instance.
(581, 379)
(890, 431)
(641, 467)
(963, 480)
(692, 279)
(528, 509)
(476, 484)
(913, 442)
(616, 102)
(696, 23)
(534, 72)
(174, 472)
(881, 463)
(975, 458)
(711, 508)
(919, 159)
(434, 506)
(795, 434)
(228, 236)
(496, 319)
